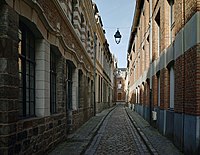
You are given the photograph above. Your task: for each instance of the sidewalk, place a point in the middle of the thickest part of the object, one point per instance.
(77, 142)
(157, 143)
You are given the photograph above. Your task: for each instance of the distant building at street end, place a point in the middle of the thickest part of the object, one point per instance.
(120, 94)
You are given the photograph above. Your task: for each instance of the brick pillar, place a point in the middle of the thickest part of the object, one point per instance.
(148, 93)
(155, 91)
(165, 29)
(179, 84)
(164, 88)
(154, 41)
(8, 78)
(178, 15)
(142, 94)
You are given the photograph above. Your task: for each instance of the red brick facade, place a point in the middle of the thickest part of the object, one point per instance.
(172, 56)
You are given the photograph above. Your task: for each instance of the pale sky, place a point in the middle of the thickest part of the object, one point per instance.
(117, 14)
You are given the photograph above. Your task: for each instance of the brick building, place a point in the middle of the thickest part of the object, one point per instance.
(164, 64)
(47, 51)
(120, 93)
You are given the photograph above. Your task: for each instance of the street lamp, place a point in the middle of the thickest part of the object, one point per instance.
(117, 37)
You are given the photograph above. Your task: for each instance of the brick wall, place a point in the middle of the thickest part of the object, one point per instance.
(187, 82)
(164, 25)
(164, 89)
(34, 135)
(190, 9)
(81, 116)
(154, 41)
(179, 84)
(191, 81)
(184, 11)
(142, 94)
(198, 5)
(60, 87)
(155, 90)
(8, 78)
(38, 135)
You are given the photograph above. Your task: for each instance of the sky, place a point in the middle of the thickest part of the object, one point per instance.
(117, 14)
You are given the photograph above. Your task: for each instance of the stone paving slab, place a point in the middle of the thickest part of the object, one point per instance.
(157, 143)
(77, 142)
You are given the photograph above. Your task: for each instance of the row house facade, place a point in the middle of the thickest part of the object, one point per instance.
(104, 65)
(48, 78)
(164, 64)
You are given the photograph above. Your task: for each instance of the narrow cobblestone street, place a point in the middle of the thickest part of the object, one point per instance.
(117, 135)
(116, 131)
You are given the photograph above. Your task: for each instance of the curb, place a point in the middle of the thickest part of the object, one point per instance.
(142, 135)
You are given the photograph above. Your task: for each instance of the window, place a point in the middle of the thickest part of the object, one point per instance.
(73, 4)
(99, 53)
(99, 92)
(158, 77)
(80, 74)
(158, 32)
(88, 35)
(134, 73)
(69, 85)
(136, 96)
(119, 85)
(82, 20)
(171, 72)
(133, 48)
(26, 62)
(52, 82)
(92, 93)
(171, 3)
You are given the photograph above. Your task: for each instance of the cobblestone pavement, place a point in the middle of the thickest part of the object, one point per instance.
(117, 130)
(117, 135)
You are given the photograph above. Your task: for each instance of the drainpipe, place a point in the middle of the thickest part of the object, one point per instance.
(150, 56)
